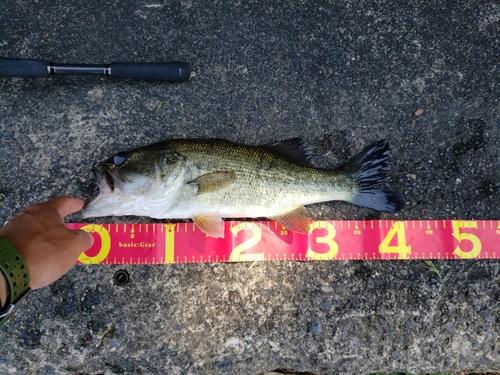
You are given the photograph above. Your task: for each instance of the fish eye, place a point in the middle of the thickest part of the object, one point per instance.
(119, 159)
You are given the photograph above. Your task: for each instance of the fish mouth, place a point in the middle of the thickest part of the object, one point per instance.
(106, 182)
(102, 174)
(105, 178)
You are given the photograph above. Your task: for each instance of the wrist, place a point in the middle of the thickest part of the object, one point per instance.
(15, 273)
(4, 291)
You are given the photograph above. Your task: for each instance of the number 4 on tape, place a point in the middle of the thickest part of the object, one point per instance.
(268, 241)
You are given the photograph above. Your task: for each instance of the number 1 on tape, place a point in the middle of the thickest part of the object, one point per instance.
(269, 241)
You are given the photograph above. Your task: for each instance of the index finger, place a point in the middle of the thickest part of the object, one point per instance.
(66, 205)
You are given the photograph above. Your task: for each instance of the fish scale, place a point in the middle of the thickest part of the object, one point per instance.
(261, 175)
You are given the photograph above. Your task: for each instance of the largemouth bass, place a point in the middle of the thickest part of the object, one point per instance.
(208, 180)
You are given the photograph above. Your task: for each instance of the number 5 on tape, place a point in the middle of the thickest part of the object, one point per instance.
(465, 236)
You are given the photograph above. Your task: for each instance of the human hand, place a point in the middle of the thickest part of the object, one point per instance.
(48, 247)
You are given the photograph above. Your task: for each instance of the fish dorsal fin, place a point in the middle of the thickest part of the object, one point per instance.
(293, 149)
(213, 181)
(297, 220)
(210, 223)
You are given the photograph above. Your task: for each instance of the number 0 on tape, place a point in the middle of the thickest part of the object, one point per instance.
(268, 241)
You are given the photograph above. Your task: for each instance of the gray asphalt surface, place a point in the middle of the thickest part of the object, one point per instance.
(340, 74)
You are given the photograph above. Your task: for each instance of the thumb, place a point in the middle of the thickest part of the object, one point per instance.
(66, 205)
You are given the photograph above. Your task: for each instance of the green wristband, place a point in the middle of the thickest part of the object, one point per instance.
(17, 275)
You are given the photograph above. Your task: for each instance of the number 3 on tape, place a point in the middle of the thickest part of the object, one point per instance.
(328, 240)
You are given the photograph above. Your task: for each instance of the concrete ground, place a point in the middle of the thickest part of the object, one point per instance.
(341, 74)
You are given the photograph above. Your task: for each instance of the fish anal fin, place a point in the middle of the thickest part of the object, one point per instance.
(213, 181)
(297, 220)
(210, 223)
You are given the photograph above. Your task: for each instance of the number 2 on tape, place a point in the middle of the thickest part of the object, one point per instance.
(236, 254)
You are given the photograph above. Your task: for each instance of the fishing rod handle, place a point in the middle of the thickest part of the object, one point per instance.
(174, 71)
(32, 68)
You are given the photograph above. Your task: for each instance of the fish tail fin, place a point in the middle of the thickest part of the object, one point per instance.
(379, 200)
(368, 169)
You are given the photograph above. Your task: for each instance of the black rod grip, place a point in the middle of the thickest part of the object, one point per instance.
(174, 71)
(31, 68)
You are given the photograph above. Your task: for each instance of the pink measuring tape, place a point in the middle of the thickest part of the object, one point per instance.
(269, 241)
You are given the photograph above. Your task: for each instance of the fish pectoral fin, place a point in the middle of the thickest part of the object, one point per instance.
(297, 220)
(210, 223)
(213, 181)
